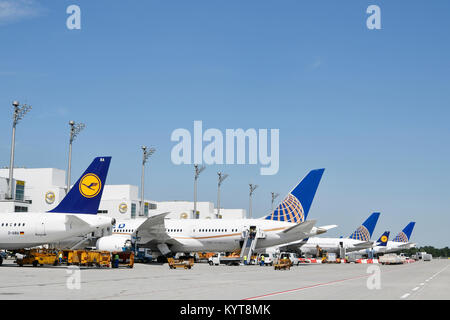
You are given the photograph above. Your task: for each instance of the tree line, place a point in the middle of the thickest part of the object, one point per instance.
(435, 252)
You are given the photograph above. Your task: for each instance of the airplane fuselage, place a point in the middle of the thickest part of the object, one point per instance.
(391, 246)
(213, 235)
(332, 245)
(25, 230)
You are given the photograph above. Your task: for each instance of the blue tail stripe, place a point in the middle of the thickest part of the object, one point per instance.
(295, 207)
(86, 193)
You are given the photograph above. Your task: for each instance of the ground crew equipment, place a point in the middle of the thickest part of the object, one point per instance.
(185, 264)
(37, 257)
(283, 264)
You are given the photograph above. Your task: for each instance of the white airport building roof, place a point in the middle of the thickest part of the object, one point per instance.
(40, 190)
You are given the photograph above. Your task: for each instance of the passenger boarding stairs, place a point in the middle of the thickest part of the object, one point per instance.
(251, 237)
(80, 242)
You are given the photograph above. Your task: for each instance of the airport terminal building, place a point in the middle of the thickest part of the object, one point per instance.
(40, 190)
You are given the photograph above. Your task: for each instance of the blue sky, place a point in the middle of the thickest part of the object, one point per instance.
(370, 106)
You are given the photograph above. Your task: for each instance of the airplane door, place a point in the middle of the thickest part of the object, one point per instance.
(40, 229)
(342, 251)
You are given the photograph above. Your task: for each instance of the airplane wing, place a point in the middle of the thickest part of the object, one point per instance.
(364, 245)
(153, 228)
(323, 229)
(294, 246)
(406, 245)
(304, 227)
(153, 232)
(74, 221)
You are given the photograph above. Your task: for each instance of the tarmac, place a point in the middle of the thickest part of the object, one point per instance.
(419, 280)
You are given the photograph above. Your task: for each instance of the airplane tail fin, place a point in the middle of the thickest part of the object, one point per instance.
(405, 234)
(382, 242)
(364, 232)
(295, 207)
(85, 195)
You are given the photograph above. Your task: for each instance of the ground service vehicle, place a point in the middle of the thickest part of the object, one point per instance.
(143, 255)
(175, 263)
(391, 258)
(220, 258)
(268, 258)
(283, 264)
(37, 257)
(293, 257)
(125, 259)
(427, 257)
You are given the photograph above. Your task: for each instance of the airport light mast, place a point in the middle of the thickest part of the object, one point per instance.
(221, 178)
(198, 170)
(274, 196)
(19, 113)
(252, 189)
(146, 154)
(75, 129)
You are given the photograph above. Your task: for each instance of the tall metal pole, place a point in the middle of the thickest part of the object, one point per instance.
(141, 208)
(198, 170)
(252, 188)
(19, 113)
(146, 154)
(221, 178)
(69, 167)
(75, 129)
(11, 161)
(274, 196)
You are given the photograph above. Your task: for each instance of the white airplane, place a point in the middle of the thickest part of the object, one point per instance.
(285, 224)
(360, 239)
(400, 242)
(75, 215)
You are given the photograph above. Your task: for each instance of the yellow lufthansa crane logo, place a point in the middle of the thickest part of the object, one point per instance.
(90, 185)
(123, 207)
(50, 197)
(384, 239)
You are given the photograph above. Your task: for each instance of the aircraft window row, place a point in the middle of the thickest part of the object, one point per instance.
(13, 224)
(174, 230)
(217, 230)
(123, 230)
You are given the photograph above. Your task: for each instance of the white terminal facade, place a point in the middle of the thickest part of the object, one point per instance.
(40, 190)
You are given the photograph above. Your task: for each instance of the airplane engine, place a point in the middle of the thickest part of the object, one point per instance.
(114, 243)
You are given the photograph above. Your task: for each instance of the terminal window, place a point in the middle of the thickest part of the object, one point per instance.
(133, 210)
(20, 209)
(20, 191)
